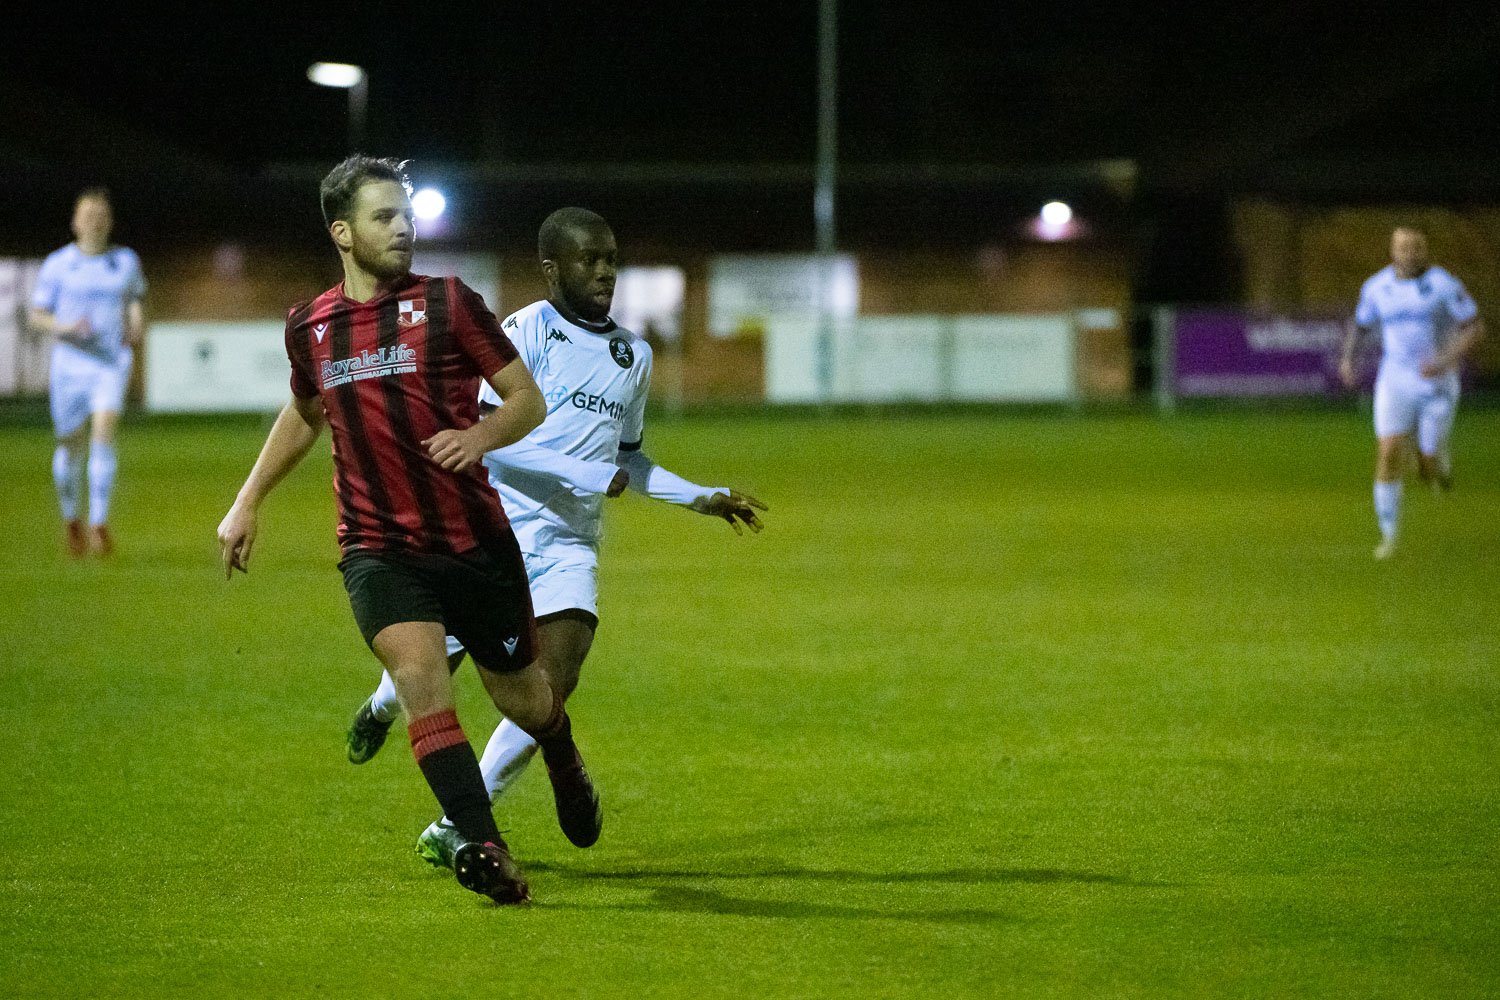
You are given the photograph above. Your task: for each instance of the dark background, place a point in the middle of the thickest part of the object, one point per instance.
(959, 116)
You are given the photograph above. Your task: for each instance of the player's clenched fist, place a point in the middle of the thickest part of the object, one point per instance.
(454, 450)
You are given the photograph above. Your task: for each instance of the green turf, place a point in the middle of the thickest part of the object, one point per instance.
(999, 705)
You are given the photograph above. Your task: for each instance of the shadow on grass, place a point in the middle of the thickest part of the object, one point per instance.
(680, 899)
(952, 876)
(696, 899)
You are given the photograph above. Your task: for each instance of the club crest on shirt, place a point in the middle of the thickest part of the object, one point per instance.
(621, 352)
(411, 312)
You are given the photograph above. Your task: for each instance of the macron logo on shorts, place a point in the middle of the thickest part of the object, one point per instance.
(510, 645)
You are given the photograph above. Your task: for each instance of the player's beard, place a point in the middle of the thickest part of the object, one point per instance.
(380, 262)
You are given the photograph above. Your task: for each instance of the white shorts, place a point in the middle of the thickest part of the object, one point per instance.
(80, 384)
(562, 578)
(1407, 402)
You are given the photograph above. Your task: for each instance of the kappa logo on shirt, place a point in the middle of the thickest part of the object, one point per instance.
(558, 335)
(411, 312)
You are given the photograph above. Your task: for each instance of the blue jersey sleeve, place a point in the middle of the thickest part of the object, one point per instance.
(1460, 303)
(135, 284)
(48, 287)
(1366, 313)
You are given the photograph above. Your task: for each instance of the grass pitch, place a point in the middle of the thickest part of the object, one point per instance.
(999, 705)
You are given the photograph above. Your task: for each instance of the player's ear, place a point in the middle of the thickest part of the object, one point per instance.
(549, 269)
(342, 238)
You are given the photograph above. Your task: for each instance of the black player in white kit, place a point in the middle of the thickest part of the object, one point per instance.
(595, 377)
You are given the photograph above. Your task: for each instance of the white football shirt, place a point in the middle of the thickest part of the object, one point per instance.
(595, 383)
(74, 285)
(1415, 315)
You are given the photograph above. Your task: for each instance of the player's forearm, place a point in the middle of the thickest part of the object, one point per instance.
(135, 319)
(523, 411)
(46, 323)
(651, 479)
(1351, 341)
(1464, 341)
(292, 436)
(574, 473)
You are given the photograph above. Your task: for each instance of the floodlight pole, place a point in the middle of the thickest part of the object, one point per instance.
(359, 102)
(347, 76)
(825, 187)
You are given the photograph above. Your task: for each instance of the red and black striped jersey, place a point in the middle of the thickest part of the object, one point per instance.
(392, 372)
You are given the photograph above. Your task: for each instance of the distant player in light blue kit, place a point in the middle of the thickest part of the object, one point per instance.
(1428, 323)
(595, 377)
(88, 298)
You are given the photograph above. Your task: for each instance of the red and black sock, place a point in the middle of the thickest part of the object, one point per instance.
(555, 737)
(452, 771)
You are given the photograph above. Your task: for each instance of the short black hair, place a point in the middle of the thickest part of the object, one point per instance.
(560, 225)
(336, 193)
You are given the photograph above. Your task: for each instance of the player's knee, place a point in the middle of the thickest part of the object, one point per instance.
(104, 426)
(562, 669)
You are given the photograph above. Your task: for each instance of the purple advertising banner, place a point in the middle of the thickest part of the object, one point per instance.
(1227, 352)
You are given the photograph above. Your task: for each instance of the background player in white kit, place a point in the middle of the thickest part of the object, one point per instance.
(595, 377)
(1428, 323)
(88, 297)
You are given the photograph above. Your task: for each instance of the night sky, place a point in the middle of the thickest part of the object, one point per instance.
(705, 81)
(1289, 97)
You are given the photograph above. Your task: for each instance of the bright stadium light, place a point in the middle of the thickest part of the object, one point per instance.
(428, 204)
(1056, 214)
(342, 75)
(346, 76)
(1055, 222)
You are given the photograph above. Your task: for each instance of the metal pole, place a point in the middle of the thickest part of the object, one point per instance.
(359, 99)
(825, 189)
(1164, 360)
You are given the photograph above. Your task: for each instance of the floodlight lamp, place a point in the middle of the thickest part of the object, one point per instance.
(342, 75)
(1056, 214)
(428, 204)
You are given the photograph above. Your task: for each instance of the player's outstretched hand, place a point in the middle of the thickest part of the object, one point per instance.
(454, 450)
(236, 538)
(617, 485)
(733, 507)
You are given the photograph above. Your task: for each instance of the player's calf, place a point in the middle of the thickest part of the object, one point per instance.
(580, 813)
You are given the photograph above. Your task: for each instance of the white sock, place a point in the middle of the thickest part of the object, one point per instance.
(1388, 507)
(383, 703)
(102, 464)
(67, 476)
(505, 757)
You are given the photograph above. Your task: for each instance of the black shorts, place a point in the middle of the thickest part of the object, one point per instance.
(480, 597)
